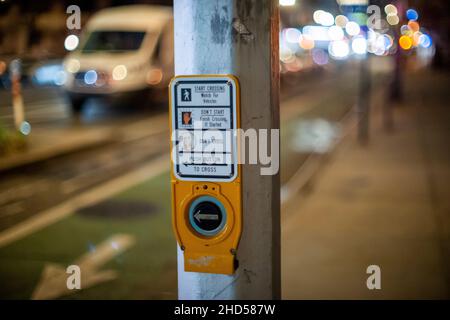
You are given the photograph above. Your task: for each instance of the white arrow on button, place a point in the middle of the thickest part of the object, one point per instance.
(205, 216)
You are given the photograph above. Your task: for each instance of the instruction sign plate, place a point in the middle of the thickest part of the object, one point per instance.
(204, 119)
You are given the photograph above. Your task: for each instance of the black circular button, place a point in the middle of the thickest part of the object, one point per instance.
(207, 216)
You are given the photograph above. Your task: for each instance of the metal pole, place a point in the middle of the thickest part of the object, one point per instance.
(353, 9)
(238, 37)
(364, 101)
(394, 93)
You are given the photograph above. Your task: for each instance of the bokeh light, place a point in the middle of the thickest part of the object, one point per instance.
(324, 18)
(388, 41)
(416, 38)
(72, 65)
(119, 72)
(154, 76)
(413, 26)
(316, 16)
(286, 3)
(425, 41)
(307, 42)
(71, 42)
(339, 49)
(412, 14)
(320, 56)
(393, 19)
(25, 128)
(286, 54)
(405, 30)
(60, 78)
(341, 21)
(292, 35)
(335, 33)
(327, 19)
(90, 77)
(352, 28)
(390, 9)
(359, 45)
(405, 42)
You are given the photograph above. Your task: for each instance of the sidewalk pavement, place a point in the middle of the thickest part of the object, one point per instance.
(385, 204)
(44, 143)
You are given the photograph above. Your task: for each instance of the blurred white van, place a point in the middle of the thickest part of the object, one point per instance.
(124, 52)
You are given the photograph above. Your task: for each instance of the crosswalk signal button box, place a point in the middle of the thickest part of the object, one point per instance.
(205, 174)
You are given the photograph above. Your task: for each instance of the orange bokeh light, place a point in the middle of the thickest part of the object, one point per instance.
(154, 76)
(414, 26)
(405, 42)
(307, 43)
(416, 38)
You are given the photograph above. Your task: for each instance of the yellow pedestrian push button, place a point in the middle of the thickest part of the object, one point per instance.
(205, 174)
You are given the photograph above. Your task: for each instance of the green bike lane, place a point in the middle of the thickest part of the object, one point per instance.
(147, 269)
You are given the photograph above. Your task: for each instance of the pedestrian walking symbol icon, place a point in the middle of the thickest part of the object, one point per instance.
(186, 94)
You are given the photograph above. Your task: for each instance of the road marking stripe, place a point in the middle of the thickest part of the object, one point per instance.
(87, 198)
(53, 281)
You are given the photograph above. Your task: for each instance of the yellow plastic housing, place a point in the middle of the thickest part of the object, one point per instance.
(209, 254)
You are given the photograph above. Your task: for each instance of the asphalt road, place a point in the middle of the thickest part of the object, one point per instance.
(29, 189)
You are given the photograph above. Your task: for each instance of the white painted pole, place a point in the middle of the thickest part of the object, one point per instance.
(238, 37)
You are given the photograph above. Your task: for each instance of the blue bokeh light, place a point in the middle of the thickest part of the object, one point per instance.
(412, 14)
(90, 77)
(425, 41)
(25, 128)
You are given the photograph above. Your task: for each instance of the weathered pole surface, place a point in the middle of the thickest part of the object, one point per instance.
(238, 37)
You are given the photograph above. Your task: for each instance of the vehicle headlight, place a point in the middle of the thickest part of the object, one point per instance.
(119, 72)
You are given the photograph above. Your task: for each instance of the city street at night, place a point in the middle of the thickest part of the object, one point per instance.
(106, 183)
(224, 150)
